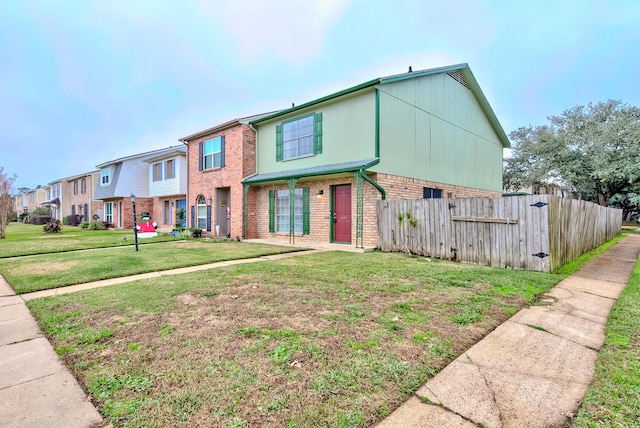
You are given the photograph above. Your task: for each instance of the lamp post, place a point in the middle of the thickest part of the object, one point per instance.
(135, 220)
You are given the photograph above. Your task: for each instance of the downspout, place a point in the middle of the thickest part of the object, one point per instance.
(245, 190)
(186, 197)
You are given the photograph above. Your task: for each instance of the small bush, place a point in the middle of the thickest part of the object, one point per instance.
(52, 227)
(85, 225)
(195, 232)
(98, 225)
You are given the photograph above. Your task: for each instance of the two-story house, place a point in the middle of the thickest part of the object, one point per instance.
(78, 199)
(322, 165)
(54, 199)
(158, 179)
(29, 200)
(218, 159)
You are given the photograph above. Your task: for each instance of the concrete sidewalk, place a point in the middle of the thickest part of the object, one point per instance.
(533, 370)
(36, 390)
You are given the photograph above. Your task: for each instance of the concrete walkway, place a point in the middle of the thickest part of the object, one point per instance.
(533, 370)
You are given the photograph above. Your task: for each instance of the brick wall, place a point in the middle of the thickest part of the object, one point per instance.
(396, 187)
(239, 163)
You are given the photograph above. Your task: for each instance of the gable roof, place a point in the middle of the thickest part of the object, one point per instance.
(225, 125)
(151, 154)
(459, 72)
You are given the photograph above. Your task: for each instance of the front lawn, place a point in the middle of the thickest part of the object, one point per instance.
(53, 270)
(329, 339)
(27, 239)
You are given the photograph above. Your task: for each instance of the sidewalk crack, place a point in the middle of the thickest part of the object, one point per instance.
(486, 382)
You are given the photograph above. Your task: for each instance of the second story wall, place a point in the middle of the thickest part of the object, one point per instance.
(433, 128)
(168, 176)
(346, 126)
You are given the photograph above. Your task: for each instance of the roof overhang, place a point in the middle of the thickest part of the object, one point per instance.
(315, 171)
(54, 201)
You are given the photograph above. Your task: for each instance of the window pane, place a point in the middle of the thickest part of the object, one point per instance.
(208, 147)
(157, 171)
(217, 146)
(217, 160)
(208, 161)
(170, 169)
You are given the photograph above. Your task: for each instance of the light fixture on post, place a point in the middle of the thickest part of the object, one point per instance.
(320, 193)
(135, 220)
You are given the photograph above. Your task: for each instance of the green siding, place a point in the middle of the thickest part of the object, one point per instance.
(348, 133)
(433, 128)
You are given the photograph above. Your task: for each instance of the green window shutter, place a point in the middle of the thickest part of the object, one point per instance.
(306, 227)
(279, 143)
(272, 211)
(317, 134)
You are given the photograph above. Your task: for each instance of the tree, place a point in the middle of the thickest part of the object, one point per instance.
(6, 200)
(593, 150)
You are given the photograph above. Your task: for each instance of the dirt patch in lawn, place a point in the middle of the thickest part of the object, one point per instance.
(43, 268)
(281, 346)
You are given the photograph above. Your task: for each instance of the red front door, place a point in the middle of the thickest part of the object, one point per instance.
(342, 213)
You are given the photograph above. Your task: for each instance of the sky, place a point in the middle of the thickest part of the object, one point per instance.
(83, 82)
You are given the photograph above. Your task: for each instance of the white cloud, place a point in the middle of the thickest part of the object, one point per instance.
(289, 30)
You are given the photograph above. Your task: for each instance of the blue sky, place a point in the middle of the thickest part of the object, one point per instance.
(83, 82)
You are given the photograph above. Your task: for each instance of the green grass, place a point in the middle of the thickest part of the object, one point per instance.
(578, 263)
(328, 339)
(614, 396)
(42, 272)
(28, 239)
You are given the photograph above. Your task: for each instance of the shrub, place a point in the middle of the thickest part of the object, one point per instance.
(85, 225)
(98, 225)
(195, 232)
(52, 226)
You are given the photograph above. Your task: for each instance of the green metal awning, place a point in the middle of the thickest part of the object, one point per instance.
(312, 171)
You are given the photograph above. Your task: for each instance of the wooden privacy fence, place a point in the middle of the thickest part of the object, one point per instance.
(537, 232)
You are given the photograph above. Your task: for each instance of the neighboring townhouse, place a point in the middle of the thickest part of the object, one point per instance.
(78, 199)
(156, 178)
(547, 189)
(168, 174)
(218, 159)
(29, 200)
(54, 199)
(323, 165)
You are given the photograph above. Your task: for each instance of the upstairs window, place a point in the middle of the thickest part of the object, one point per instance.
(169, 169)
(429, 193)
(105, 176)
(157, 171)
(299, 137)
(83, 186)
(211, 153)
(75, 187)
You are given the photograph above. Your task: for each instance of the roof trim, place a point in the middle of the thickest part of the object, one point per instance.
(312, 172)
(463, 68)
(223, 126)
(159, 152)
(347, 91)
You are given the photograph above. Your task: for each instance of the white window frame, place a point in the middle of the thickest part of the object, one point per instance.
(212, 158)
(108, 212)
(297, 138)
(282, 211)
(201, 213)
(105, 176)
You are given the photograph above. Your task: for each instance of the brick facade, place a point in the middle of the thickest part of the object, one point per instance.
(240, 161)
(396, 187)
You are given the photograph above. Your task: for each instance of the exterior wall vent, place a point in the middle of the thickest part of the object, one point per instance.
(457, 76)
